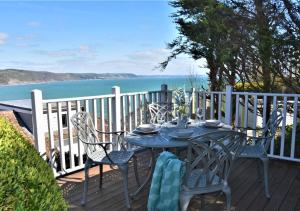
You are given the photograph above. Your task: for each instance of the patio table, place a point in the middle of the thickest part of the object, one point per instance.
(162, 140)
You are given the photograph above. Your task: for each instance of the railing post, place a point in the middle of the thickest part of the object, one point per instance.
(38, 121)
(192, 111)
(164, 94)
(116, 105)
(228, 105)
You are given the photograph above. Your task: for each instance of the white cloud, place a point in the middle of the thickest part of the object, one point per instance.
(26, 37)
(83, 51)
(85, 58)
(34, 24)
(149, 55)
(57, 53)
(26, 40)
(182, 65)
(84, 48)
(138, 62)
(26, 65)
(3, 38)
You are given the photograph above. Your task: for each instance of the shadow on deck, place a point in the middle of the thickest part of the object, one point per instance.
(247, 191)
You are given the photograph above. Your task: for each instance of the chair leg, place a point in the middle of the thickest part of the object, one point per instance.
(100, 175)
(136, 174)
(124, 171)
(86, 182)
(150, 163)
(184, 201)
(227, 192)
(259, 171)
(202, 205)
(265, 161)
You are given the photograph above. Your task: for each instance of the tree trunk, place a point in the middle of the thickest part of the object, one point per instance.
(264, 38)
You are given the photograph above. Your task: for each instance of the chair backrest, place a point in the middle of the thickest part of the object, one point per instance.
(274, 122)
(158, 113)
(87, 134)
(213, 155)
(271, 127)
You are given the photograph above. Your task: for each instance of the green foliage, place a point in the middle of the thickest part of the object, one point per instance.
(287, 142)
(26, 180)
(251, 42)
(181, 101)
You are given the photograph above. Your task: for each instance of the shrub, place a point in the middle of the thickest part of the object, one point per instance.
(26, 180)
(287, 142)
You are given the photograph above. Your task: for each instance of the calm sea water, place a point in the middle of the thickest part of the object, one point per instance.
(65, 89)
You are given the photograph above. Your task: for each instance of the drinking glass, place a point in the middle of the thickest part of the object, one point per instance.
(199, 117)
(160, 118)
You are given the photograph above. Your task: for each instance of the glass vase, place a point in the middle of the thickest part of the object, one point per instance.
(182, 120)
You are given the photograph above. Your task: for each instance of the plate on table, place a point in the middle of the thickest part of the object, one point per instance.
(213, 123)
(182, 134)
(147, 128)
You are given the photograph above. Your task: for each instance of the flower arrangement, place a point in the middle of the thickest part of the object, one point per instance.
(182, 102)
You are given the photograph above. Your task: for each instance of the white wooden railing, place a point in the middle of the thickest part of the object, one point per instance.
(55, 138)
(54, 135)
(249, 109)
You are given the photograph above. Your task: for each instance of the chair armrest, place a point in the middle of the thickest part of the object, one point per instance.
(259, 138)
(249, 128)
(96, 143)
(264, 141)
(120, 139)
(113, 132)
(103, 145)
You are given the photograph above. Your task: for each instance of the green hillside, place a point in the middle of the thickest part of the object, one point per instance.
(15, 76)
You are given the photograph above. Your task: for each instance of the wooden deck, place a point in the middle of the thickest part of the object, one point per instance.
(247, 191)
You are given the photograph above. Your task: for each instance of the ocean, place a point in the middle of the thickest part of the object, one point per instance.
(64, 89)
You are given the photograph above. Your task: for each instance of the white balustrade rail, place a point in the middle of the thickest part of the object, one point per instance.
(54, 135)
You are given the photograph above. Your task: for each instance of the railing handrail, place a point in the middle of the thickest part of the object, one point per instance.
(77, 98)
(209, 92)
(56, 100)
(267, 94)
(135, 93)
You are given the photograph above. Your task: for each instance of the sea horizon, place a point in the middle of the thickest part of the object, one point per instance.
(91, 87)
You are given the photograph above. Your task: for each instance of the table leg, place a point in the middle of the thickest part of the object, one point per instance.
(149, 176)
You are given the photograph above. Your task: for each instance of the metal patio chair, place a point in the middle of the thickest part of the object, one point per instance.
(257, 146)
(208, 164)
(159, 113)
(98, 153)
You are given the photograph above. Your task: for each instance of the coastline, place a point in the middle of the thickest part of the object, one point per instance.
(49, 82)
(98, 79)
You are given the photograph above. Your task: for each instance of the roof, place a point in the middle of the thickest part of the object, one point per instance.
(13, 119)
(24, 106)
(17, 105)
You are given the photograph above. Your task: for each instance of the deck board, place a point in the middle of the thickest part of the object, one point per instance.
(292, 196)
(247, 191)
(281, 191)
(247, 181)
(277, 174)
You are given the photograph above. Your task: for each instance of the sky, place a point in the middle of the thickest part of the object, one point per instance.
(90, 36)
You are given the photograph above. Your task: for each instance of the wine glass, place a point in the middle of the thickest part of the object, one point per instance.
(199, 115)
(160, 118)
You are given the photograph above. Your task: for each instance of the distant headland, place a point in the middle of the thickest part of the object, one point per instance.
(17, 76)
